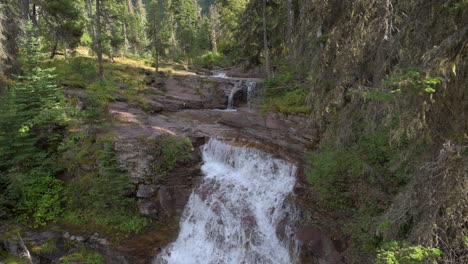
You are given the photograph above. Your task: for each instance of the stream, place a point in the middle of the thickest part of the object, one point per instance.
(239, 212)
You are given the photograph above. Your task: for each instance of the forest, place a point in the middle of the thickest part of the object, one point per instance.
(117, 115)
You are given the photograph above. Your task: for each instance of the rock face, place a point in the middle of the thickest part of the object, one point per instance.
(160, 194)
(174, 93)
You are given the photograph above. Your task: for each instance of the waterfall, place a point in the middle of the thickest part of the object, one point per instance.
(251, 92)
(220, 75)
(237, 87)
(238, 214)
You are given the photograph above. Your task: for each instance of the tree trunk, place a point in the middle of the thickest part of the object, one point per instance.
(387, 19)
(34, 16)
(25, 9)
(289, 35)
(156, 63)
(65, 52)
(214, 16)
(54, 49)
(98, 42)
(265, 42)
(126, 43)
(130, 7)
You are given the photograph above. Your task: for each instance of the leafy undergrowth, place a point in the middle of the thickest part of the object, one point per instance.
(9, 259)
(284, 95)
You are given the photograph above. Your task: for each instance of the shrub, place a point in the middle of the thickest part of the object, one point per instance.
(282, 94)
(332, 171)
(211, 59)
(401, 253)
(413, 82)
(172, 150)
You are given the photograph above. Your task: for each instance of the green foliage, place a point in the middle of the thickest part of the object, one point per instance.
(41, 197)
(86, 40)
(84, 256)
(332, 171)
(33, 115)
(48, 247)
(171, 151)
(99, 199)
(401, 253)
(282, 94)
(211, 59)
(6, 258)
(411, 81)
(377, 96)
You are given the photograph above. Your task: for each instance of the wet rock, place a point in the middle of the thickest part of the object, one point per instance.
(148, 208)
(146, 191)
(317, 247)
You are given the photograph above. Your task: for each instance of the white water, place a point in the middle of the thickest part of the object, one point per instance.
(251, 92)
(237, 87)
(238, 214)
(220, 75)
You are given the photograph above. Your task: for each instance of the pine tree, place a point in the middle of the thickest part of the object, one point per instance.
(31, 114)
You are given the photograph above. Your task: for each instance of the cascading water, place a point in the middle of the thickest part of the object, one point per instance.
(251, 92)
(239, 213)
(237, 87)
(220, 75)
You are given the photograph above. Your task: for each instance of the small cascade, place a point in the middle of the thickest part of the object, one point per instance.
(251, 92)
(238, 214)
(237, 87)
(220, 75)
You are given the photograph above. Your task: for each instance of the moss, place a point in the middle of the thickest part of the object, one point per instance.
(48, 247)
(84, 256)
(6, 258)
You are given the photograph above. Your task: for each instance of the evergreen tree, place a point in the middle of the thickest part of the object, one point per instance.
(32, 114)
(185, 14)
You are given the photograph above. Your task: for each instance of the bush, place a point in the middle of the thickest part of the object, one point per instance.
(397, 253)
(211, 59)
(99, 198)
(411, 81)
(332, 171)
(41, 197)
(282, 94)
(172, 150)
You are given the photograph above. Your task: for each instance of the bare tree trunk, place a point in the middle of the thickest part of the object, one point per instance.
(156, 63)
(130, 7)
(126, 43)
(98, 42)
(26, 251)
(93, 26)
(265, 43)
(289, 36)
(214, 20)
(25, 9)
(34, 16)
(388, 19)
(54, 49)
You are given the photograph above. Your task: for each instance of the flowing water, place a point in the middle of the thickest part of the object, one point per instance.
(251, 92)
(238, 214)
(220, 75)
(237, 87)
